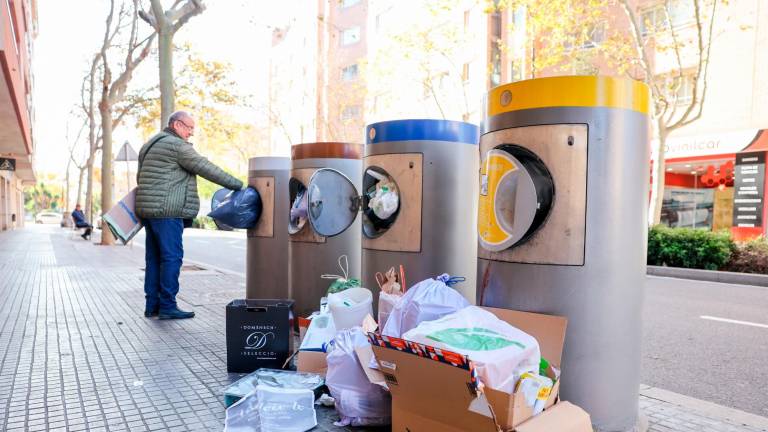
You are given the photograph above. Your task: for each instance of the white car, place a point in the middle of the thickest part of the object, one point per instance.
(48, 218)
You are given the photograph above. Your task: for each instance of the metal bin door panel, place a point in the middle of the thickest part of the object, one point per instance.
(407, 171)
(333, 202)
(563, 149)
(306, 234)
(265, 226)
(507, 207)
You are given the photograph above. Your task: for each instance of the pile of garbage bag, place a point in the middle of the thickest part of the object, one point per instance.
(501, 353)
(358, 401)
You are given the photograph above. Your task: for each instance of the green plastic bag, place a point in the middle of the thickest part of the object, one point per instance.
(342, 284)
(473, 339)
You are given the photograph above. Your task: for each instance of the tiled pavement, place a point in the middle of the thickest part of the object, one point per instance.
(77, 354)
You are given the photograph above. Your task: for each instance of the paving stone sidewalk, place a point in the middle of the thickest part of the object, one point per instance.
(77, 354)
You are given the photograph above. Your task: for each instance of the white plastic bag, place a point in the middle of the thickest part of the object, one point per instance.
(272, 409)
(501, 352)
(391, 293)
(320, 332)
(385, 202)
(358, 401)
(426, 301)
(387, 303)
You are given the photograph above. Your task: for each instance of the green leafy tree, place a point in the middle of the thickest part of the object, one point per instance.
(43, 197)
(434, 52)
(587, 37)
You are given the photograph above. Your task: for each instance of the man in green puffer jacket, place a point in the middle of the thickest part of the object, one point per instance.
(167, 196)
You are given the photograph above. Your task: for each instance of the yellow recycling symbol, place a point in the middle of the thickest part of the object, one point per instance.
(498, 165)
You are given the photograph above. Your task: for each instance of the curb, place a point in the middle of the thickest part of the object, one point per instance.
(708, 409)
(207, 266)
(710, 275)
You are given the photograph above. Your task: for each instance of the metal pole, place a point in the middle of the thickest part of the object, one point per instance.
(695, 196)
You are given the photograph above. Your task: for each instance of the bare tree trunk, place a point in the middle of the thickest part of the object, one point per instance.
(166, 24)
(79, 185)
(66, 187)
(659, 173)
(106, 166)
(89, 191)
(167, 90)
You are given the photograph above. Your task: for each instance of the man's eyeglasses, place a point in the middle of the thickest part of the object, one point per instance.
(192, 128)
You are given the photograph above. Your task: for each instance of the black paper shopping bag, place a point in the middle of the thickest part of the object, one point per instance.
(259, 334)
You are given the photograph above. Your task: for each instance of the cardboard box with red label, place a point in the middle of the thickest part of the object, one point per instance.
(434, 389)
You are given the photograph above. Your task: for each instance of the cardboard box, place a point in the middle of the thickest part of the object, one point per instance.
(259, 334)
(312, 361)
(430, 395)
(310, 357)
(122, 220)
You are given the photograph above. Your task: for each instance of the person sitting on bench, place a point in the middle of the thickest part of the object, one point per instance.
(80, 222)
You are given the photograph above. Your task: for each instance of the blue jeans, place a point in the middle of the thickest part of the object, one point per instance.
(164, 253)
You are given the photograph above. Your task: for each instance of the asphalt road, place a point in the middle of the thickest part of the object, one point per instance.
(708, 341)
(220, 249)
(722, 358)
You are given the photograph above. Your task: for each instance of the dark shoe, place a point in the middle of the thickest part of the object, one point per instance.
(85, 237)
(149, 313)
(174, 314)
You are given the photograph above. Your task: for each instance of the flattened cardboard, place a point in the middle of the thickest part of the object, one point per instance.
(303, 327)
(312, 361)
(408, 421)
(563, 417)
(549, 330)
(431, 389)
(416, 383)
(364, 354)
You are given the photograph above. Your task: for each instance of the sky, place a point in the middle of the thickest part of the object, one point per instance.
(236, 31)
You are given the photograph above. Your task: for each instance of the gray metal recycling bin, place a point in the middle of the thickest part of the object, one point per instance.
(267, 274)
(433, 165)
(562, 226)
(323, 191)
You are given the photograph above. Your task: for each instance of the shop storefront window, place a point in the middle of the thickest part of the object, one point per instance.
(688, 208)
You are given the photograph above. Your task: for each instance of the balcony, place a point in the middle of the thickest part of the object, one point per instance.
(15, 125)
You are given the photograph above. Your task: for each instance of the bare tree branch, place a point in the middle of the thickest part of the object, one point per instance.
(120, 85)
(678, 59)
(701, 69)
(197, 8)
(160, 18)
(642, 54)
(705, 62)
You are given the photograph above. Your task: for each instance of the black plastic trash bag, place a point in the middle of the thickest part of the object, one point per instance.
(219, 196)
(239, 209)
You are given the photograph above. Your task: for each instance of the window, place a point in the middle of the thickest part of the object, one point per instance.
(350, 36)
(350, 113)
(683, 88)
(348, 3)
(595, 35)
(654, 20)
(595, 38)
(349, 73)
(679, 90)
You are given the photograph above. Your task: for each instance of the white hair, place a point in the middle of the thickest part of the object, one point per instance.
(178, 116)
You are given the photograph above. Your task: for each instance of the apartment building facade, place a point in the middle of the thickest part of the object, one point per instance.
(316, 87)
(18, 26)
(701, 158)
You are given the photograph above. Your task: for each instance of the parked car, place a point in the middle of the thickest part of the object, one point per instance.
(47, 217)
